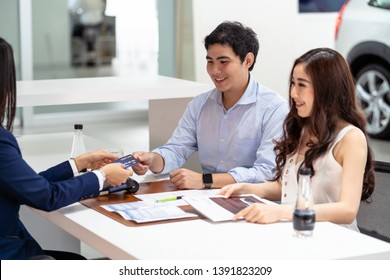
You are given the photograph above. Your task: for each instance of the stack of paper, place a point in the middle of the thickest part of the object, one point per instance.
(142, 212)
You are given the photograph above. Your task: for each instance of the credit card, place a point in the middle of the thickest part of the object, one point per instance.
(127, 160)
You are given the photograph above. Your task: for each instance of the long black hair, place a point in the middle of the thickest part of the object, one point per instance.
(7, 85)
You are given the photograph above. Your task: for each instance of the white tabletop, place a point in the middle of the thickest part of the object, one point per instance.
(196, 239)
(104, 89)
(204, 240)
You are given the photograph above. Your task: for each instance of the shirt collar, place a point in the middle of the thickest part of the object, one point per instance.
(248, 97)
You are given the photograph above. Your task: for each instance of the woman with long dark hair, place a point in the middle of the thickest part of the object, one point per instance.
(324, 131)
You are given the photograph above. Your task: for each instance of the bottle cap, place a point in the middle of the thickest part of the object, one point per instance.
(78, 126)
(304, 171)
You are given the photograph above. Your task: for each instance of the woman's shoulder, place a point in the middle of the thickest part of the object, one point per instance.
(351, 133)
(6, 134)
(352, 138)
(351, 142)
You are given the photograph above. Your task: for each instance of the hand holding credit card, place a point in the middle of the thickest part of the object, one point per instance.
(127, 160)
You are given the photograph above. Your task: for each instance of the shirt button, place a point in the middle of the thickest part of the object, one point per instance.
(285, 195)
(285, 183)
(286, 171)
(291, 160)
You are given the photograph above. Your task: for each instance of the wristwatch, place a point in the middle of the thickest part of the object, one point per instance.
(207, 180)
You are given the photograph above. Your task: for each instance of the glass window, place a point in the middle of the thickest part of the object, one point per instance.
(385, 4)
(9, 28)
(94, 38)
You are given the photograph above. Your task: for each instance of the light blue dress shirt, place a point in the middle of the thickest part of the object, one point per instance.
(238, 141)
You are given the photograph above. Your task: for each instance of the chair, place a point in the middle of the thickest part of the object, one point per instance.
(374, 218)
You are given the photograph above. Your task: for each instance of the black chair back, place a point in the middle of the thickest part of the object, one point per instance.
(374, 218)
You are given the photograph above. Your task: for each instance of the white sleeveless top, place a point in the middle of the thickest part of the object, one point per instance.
(326, 182)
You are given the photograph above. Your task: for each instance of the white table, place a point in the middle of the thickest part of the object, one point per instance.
(204, 240)
(196, 239)
(104, 89)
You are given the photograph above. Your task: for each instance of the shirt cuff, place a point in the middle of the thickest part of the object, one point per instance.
(74, 167)
(99, 173)
(101, 178)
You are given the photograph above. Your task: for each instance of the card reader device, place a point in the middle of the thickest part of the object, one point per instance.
(131, 186)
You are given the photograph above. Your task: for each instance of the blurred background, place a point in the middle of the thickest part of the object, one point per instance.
(92, 38)
(96, 38)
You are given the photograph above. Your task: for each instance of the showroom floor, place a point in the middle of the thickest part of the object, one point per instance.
(381, 149)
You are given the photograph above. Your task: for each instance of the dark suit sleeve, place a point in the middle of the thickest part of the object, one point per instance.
(49, 190)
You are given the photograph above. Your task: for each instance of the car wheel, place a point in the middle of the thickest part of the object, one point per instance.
(373, 92)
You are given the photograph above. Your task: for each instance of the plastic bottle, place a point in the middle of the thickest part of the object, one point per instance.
(304, 215)
(78, 146)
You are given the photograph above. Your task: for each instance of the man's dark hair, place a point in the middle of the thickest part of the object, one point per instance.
(241, 39)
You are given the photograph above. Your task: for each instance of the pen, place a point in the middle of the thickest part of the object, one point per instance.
(169, 198)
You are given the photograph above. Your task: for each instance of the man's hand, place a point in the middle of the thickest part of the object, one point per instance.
(186, 179)
(148, 161)
(145, 160)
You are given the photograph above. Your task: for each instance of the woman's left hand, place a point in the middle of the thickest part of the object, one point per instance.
(260, 213)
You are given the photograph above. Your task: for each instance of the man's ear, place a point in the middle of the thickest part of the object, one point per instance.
(249, 59)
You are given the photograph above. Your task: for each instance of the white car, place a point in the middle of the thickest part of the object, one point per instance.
(362, 36)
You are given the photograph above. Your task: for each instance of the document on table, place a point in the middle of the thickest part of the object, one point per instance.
(218, 208)
(175, 197)
(146, 211)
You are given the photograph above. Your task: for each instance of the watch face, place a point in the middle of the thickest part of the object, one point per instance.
(207, 178)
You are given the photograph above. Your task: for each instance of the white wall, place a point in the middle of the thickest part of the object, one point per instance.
(284, 34)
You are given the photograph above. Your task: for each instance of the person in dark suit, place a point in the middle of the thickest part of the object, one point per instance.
(49, 190)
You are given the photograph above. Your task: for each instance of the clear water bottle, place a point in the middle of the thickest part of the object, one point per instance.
(78, 146)
(304, 216)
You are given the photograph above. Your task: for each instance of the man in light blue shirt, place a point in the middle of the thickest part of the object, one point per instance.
(232, 127)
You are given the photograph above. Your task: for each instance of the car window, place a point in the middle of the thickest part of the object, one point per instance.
(385, 4)
(320, 6)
